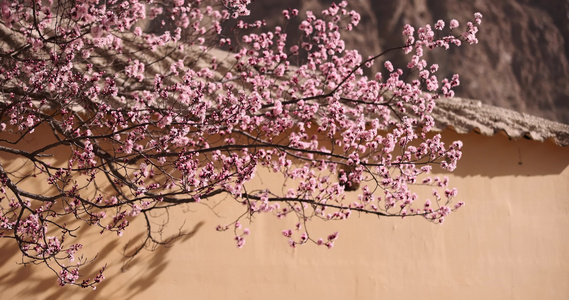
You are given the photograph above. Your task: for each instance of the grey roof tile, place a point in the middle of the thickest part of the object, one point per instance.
(465, 115)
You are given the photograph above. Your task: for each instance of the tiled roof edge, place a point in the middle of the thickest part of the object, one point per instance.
(465, 115)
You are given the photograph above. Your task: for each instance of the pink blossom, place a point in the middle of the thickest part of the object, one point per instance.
(478, 17)
(453, 24)
(388, 66)
(440, 25)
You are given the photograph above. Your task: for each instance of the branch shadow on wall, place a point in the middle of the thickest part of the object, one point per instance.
(153, 266)
(33, 280)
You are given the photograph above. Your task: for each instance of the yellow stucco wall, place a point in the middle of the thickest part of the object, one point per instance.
(510, 241)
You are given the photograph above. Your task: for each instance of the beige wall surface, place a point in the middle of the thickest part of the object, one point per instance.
(510, 241)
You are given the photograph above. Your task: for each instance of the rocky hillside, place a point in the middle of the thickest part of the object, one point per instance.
(521, 61)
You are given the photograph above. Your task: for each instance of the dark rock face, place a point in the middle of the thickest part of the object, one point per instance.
(521, 61)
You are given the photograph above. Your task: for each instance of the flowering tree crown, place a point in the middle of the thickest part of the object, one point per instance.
(144, 112)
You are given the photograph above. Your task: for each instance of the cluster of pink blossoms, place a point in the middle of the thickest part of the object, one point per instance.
(148, 114)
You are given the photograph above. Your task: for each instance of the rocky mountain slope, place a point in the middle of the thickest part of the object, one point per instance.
(521, 61)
